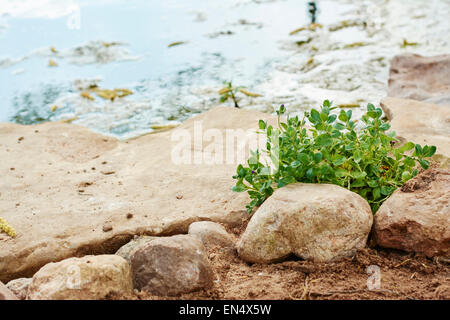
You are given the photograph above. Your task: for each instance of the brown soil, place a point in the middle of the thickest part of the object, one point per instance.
(421, 181)
(403, 276)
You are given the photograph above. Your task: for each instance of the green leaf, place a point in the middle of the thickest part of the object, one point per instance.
(372, 114)
(358, 184)
(341, 173)
(406, 147)
(406, 175)
(349, 114)
(409, 162)
(295, 164)
(317, 157)
(357, 156)
(386, 191)
(424, 163)
(315, 116)
(339, 160)
(343, 116)
(332, 118)
(431, 152)
(359, 175)
(324, 140)
(418, 150)
(310, 173)
(239, 188)
(376, 193)
(372, 183)
(262, 124)
(304, 158)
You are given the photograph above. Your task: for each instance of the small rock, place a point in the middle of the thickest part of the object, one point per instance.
(107, 172)
(107, 227)
(6, 294)
(19, 287)
(319, 222)
(171, 265)
(416, 218)
(87, 278)
(211, 234)
(233, 218)
(127, 250)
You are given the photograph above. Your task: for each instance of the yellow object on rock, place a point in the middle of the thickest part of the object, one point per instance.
(7, 228)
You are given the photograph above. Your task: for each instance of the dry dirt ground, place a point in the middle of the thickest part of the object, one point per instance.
(403, 276)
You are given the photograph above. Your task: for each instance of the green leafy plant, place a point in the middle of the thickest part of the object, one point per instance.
(230, 92)
(360, 156)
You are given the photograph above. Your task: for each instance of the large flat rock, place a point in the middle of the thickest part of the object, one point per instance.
(420, 122)
(420, 78)
(70, 192)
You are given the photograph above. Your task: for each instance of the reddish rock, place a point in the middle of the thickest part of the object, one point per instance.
(420, 78)
(416, 218)
(171, 265)
(127, 250)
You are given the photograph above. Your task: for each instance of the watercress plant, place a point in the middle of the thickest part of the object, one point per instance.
(335, 149)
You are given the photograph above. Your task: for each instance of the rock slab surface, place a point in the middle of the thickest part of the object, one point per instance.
(420, 78)
(69, 192)
(420, 122)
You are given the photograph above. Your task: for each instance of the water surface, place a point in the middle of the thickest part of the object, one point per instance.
(125, 44)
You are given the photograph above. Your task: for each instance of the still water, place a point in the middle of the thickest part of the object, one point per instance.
(174, 55)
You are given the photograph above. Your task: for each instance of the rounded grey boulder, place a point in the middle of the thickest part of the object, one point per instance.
(319, 222)
(171, 265)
